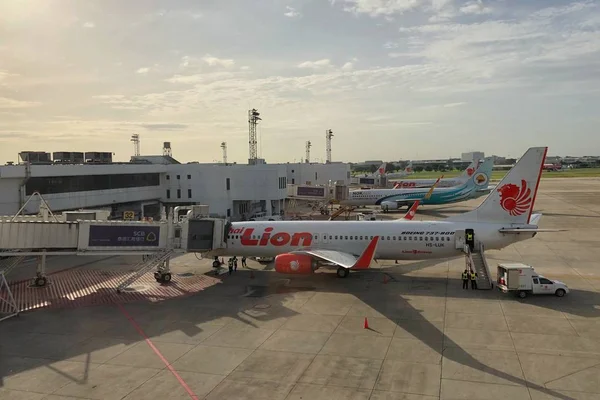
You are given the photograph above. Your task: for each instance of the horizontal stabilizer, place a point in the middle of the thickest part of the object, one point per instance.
(525, 230)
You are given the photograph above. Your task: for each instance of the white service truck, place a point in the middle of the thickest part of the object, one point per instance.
(523, 280)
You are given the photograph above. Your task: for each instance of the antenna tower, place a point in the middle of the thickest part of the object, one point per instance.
(224, 148)
(167, 149)
(308, 145)
(253, 118)
(328, 136)
(136, 144)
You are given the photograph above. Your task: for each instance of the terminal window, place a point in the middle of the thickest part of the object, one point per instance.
(178, 193)
(189, 193)
(178, 176)
(85, 183)
(189, 177)
(227, 182)
(168, 194)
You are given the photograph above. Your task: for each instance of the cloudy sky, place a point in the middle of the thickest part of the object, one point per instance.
(393, 79)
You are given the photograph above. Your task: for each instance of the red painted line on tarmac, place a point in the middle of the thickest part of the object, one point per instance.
(62, 270)
(157, 352)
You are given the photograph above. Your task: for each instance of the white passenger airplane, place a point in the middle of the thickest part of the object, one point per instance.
(392, 199)
(447, 182)
(408, 170)
(300, 247)
(381, 172)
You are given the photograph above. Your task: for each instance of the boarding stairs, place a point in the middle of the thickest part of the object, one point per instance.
(11, 263)
(340, 211)
(476, 260)
(156, 260)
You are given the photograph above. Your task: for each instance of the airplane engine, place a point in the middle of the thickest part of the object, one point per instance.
(389, 205)
(298, 264)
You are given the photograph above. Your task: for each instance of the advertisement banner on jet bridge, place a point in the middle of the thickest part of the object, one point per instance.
(311, 191)
(123, 236)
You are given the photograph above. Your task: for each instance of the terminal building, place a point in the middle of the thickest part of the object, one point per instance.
(147, 183)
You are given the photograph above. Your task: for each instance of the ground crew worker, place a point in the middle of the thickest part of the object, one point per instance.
(470, 240)
(473, 280)
(465, 279)
(234, 263)
(230, 265)
(244, 265)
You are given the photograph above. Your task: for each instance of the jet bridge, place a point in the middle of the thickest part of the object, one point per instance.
(156, 242)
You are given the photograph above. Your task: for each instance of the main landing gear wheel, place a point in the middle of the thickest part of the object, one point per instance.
(162, 278)
(40, 281)
(343, 272)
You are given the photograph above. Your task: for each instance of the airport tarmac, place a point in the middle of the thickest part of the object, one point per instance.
(260, 335)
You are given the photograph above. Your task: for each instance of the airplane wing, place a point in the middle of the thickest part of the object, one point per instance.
(345, 260)
(521, 230)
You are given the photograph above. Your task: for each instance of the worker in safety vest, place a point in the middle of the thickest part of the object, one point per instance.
(473, 280)
(470, 240)
(465, 279)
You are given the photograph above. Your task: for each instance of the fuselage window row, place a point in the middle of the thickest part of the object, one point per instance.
(391, 238)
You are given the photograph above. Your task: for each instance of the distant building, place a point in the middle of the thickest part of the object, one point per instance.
(472, 155)
(375, 163)
(499, 160)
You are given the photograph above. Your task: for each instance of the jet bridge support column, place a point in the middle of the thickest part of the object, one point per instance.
(40, 273)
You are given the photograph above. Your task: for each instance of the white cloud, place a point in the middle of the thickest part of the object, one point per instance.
(475, 7)
(143, 70)
(377, 8)
(215, 61)
(349, 65)
(315, 64)
(11, 103)
(292, 12)
(450, 105)
(89, 24)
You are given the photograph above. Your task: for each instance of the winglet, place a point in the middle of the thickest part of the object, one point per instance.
(365, 259)
(428, 195)
(412, 211)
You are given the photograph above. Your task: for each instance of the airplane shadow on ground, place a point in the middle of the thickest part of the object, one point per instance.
(389, 302)
(236, 300)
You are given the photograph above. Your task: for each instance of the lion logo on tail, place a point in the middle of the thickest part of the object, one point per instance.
(514, 199)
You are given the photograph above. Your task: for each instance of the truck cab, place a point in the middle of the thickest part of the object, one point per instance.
(523, 280)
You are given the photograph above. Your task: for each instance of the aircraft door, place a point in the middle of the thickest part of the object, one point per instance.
(324, 238)
(470, 238)
(200, 235)
(459, 240)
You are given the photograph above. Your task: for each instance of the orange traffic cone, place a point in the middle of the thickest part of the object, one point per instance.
(366, 323)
